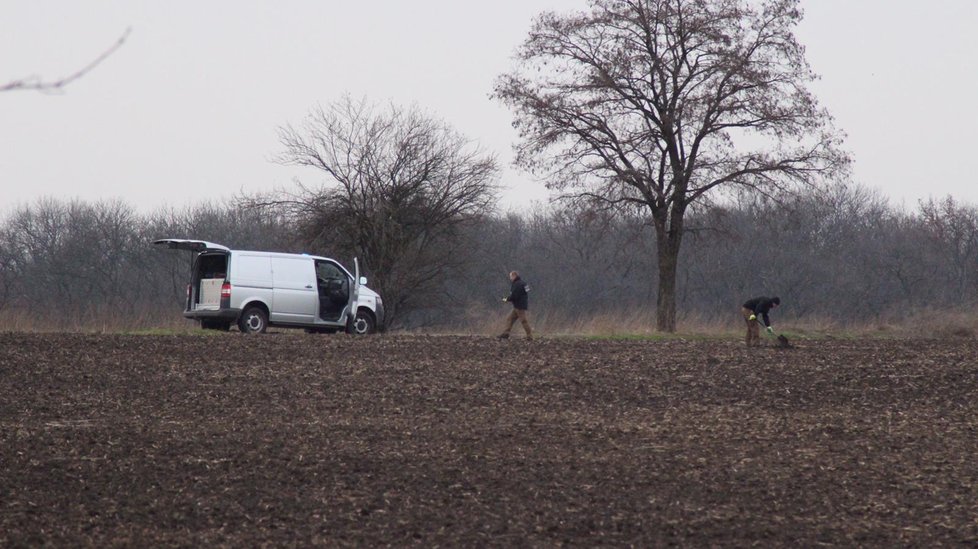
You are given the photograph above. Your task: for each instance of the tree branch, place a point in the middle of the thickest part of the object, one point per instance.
(36, 84)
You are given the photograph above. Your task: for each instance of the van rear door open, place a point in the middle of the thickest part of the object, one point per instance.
(207, 278)
(192, 245)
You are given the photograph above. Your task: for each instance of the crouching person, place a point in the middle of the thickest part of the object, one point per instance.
(520, 299)
(754, 308)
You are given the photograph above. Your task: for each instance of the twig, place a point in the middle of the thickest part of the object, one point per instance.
(35, 83)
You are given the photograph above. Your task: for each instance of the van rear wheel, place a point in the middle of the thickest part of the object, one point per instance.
(254, 320)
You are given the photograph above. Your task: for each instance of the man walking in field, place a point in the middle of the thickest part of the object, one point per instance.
(758, 306)
(520, 299)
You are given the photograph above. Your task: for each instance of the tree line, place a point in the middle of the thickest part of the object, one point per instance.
(843, 254)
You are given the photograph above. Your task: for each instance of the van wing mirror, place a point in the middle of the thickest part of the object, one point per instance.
(363, 281)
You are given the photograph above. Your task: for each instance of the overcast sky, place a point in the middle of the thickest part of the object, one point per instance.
(189, 107)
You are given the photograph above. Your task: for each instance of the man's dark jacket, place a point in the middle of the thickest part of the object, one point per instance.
(518, 296)
(761, 306)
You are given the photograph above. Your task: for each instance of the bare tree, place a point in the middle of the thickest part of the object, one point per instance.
(952, 229)
(7, 273)
(36, 83)
(400, 187)
(659, 104)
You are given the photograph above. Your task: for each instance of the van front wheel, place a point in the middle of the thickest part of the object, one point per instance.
(364, 323)
(254, 320)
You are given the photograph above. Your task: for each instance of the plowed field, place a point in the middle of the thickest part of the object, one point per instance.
(295, 439)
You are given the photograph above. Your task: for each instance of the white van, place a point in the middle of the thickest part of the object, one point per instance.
(256, 290)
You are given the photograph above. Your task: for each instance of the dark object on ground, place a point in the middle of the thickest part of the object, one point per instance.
(783, 342)
(300, 440)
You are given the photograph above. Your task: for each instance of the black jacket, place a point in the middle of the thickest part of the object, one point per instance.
(761, 306)
(518, 296)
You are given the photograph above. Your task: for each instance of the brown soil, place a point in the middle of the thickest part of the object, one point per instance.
(294, 439)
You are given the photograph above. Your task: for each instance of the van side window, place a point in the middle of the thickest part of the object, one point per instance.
(328, 271)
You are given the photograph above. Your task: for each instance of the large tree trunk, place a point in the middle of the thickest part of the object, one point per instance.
(668, 253)
(669, 236)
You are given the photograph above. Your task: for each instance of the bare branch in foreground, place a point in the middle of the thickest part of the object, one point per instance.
(35, 83)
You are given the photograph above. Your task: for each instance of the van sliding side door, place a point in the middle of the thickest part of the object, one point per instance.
(296, 298)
